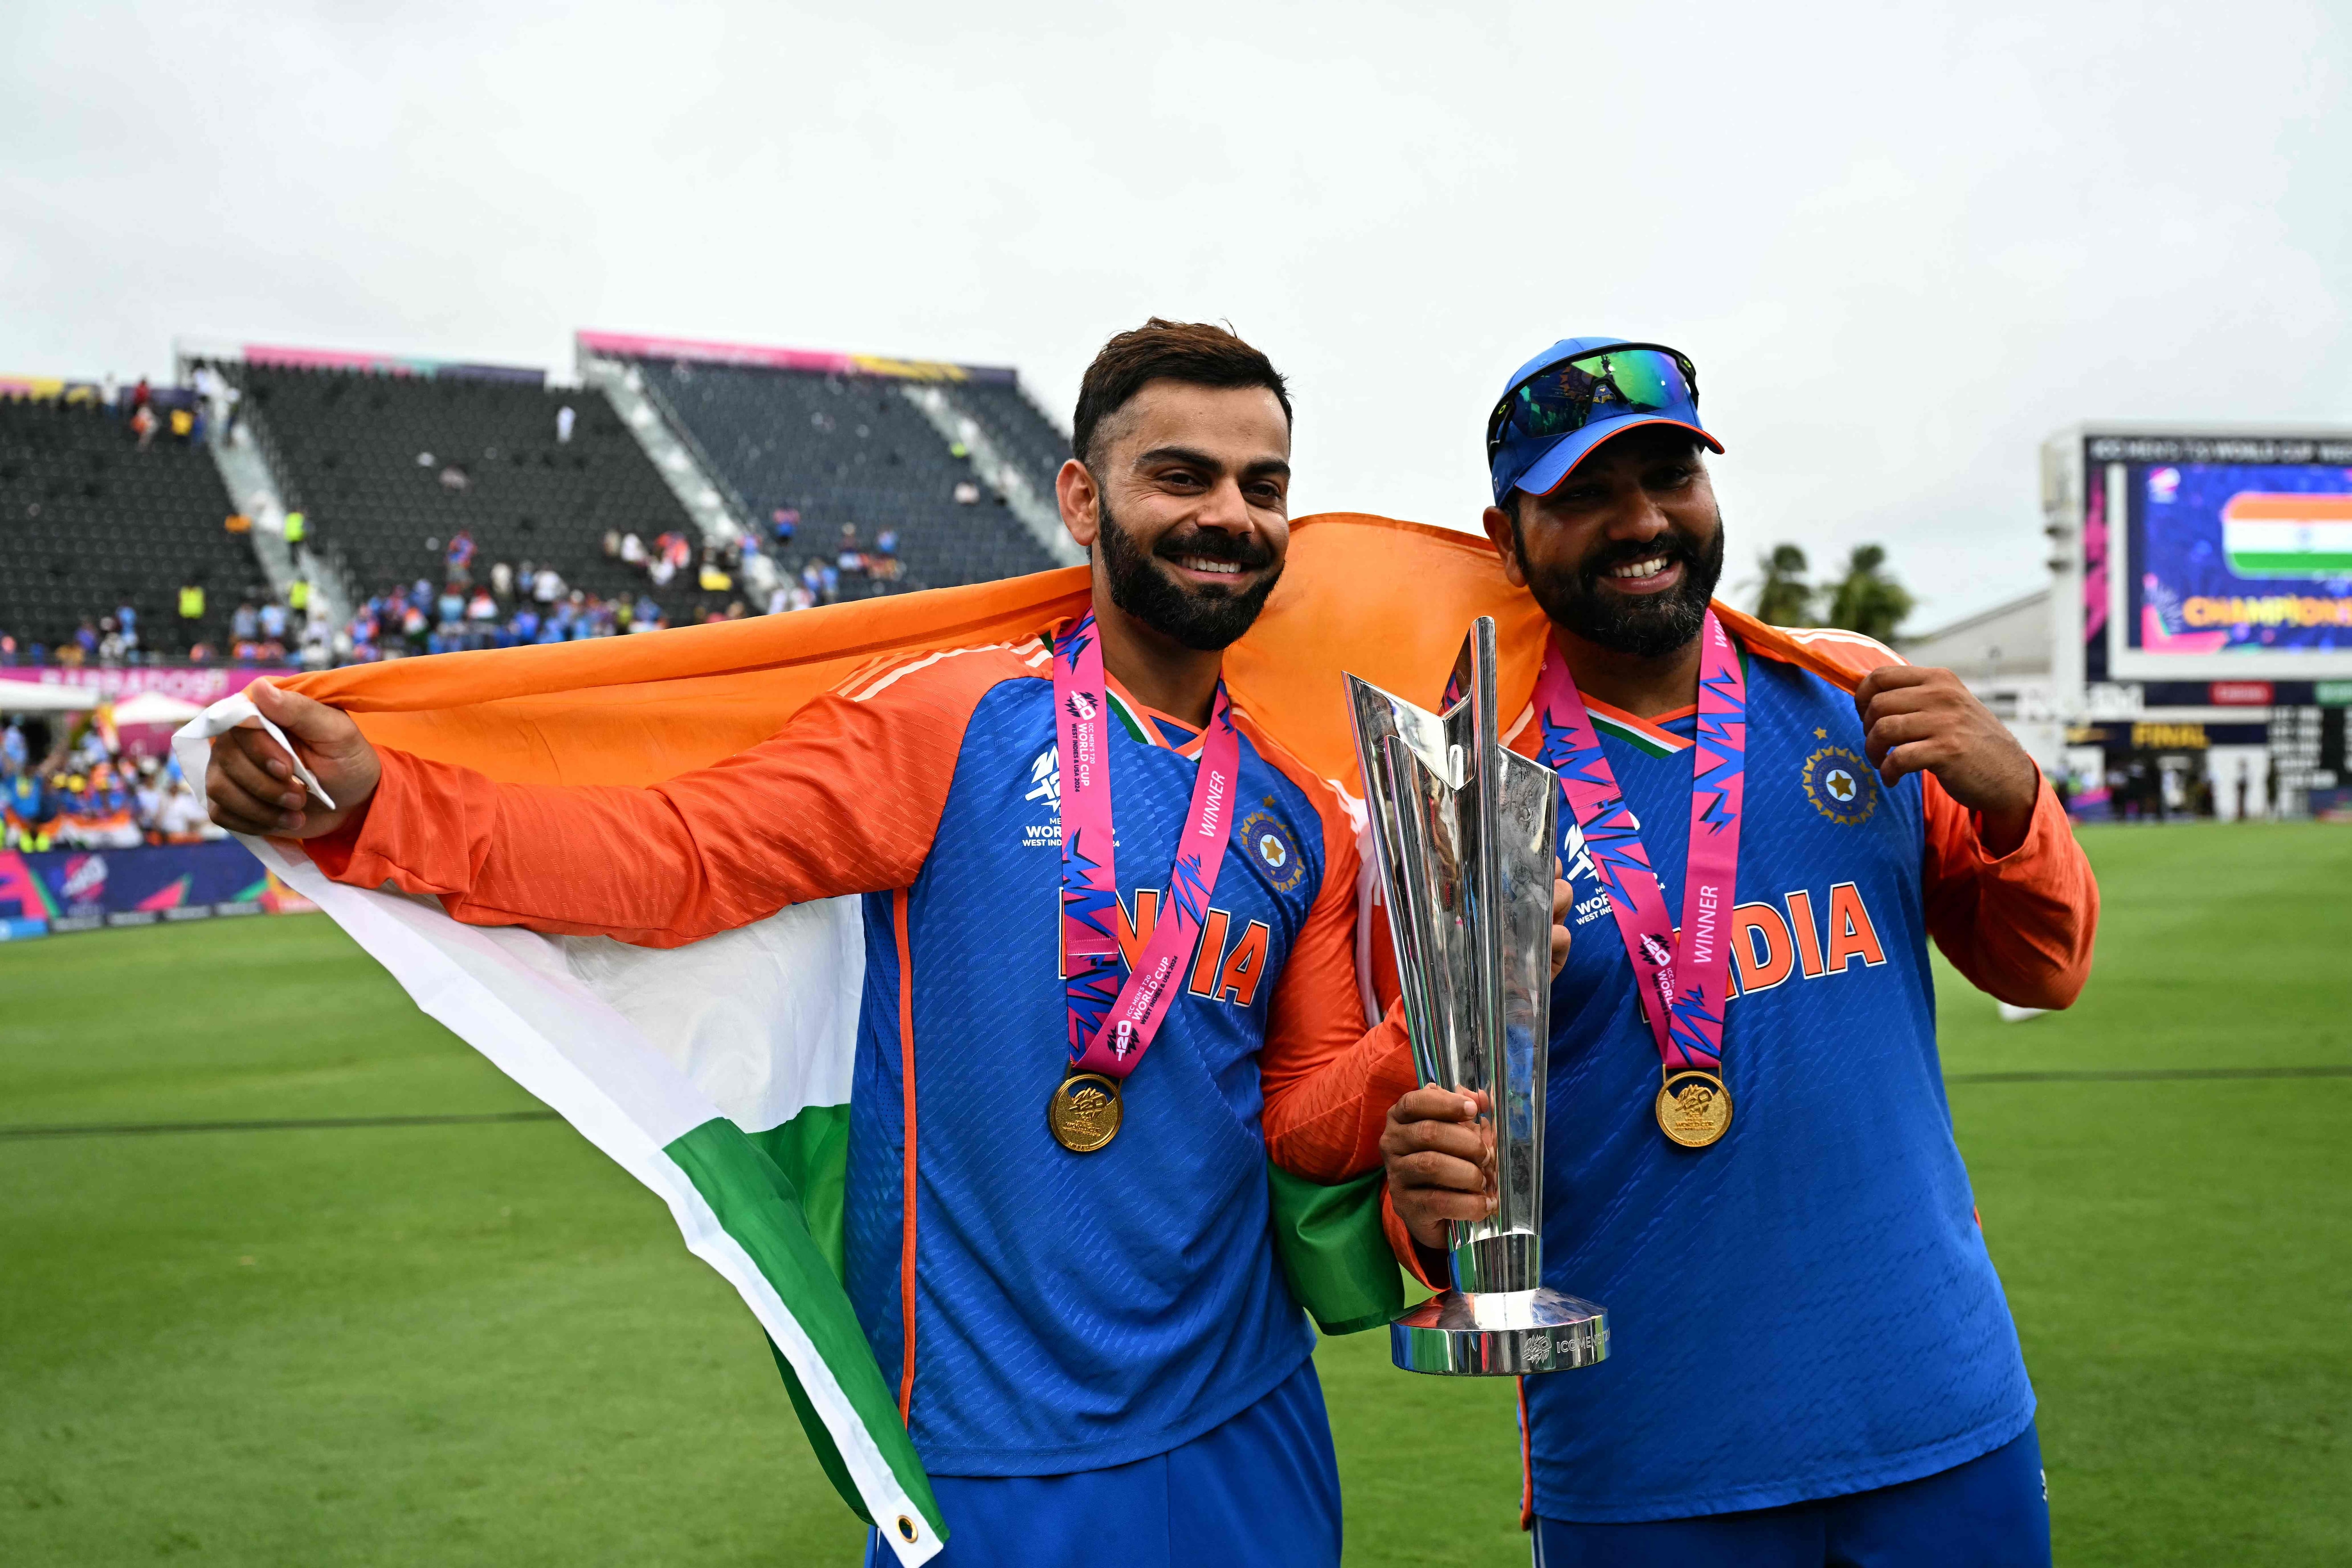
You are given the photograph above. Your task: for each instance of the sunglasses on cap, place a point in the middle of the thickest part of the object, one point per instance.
(1565, 396)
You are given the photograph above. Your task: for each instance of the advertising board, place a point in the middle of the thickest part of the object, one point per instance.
(84, 890)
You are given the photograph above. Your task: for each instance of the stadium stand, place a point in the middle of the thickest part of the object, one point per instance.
(1018, 426)
(387, 468)
(88, 522)
(845, 449)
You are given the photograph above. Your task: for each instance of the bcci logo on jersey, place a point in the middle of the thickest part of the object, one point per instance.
(1841, 785)
(1269, 841)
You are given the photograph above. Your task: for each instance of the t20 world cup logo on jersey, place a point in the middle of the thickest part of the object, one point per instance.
(1582, 877)
(1044, 784)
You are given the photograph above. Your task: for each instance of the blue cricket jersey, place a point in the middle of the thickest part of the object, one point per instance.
(1806, 1308)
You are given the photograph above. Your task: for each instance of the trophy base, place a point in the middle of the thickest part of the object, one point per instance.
(1499, 1333)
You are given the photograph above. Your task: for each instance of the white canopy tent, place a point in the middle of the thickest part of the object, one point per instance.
(155, 708)
(30, 697)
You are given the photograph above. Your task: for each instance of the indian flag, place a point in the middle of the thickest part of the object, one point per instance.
(2268, 535)
(719, 1073)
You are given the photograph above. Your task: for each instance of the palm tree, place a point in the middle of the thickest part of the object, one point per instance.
(1786, 599)
(1868, 600)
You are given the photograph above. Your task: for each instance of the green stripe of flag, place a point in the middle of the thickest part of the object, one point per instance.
(2291, 562)
(761, 1209)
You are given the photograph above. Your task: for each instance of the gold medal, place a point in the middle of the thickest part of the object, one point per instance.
(1083, 1113)
(1694, 1108)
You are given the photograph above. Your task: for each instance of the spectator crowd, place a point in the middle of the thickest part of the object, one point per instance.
(85, 793)
(509, 604)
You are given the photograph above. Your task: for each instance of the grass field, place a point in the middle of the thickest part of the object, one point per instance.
(481, 1343)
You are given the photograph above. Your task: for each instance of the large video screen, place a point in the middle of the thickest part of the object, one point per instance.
(2238, 561)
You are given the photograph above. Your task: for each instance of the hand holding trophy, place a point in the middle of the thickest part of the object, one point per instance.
(1464, 832)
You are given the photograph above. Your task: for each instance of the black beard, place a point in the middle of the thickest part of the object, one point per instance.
(1645, 625)
(1203, 618)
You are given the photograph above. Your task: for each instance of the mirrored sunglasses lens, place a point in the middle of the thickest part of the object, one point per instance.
(1567, 397)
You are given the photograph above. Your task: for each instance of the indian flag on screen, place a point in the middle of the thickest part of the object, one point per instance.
(2272, 535)
(719, 1074)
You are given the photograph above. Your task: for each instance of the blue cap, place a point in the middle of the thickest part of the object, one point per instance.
(1663, 390)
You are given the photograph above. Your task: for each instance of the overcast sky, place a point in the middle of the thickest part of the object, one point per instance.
(1902, 250)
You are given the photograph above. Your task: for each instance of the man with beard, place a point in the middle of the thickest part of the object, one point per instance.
(1109, 922)
(1811, 1360)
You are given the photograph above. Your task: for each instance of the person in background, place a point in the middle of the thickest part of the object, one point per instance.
(564, 419)
(24, 802)
(317, 650)
(139, 396)
(181, 817)
(783, 524)
(109, 394)
(108, 819)
(191, 606)
(182, 426)
(126, 617)
(459, 560)
(142, 425)
(297, 595)
(648, 614)
(502, 582)
(298, 527)
(244, 623)
(272, 621)
(147, 790)
(887, 542)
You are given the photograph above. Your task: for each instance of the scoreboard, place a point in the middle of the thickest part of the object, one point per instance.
(2221, 557)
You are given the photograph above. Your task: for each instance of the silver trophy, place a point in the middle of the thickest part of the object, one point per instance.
(1464, 832)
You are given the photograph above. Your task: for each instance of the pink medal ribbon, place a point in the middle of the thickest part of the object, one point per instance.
(1111, 1024)
(1683, 985)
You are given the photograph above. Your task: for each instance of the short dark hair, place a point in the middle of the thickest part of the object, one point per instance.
(1200, 352)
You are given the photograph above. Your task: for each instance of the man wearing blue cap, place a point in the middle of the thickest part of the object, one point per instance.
(1748, 1159)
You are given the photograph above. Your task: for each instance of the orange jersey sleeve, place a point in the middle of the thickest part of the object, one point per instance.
(2020, 925)
(1329, 1081)
(844, 799)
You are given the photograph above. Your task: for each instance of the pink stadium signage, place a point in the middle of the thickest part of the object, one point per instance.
(702, 351)
(386, 364)
(190, 683)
